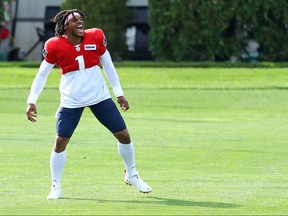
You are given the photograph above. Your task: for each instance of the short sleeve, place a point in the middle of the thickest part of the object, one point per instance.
(48, 53)
(102, 42)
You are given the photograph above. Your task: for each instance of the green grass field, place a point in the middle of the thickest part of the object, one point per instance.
(208, 141)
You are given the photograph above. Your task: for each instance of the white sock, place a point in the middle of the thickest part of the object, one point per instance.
(57, 163)
(126, 151)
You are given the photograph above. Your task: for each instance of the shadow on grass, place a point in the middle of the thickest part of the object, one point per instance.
(163, 201)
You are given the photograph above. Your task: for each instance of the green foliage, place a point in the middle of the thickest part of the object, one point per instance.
(169, 64)
(267, 22)
(109, 15)
(217, 29)
(1, 12)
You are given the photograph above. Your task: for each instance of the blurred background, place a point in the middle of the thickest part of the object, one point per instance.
(26, 25)
(156, 30)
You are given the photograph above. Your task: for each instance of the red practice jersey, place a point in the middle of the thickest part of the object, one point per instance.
(58, 50)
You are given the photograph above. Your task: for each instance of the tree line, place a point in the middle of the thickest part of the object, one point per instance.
(198, 30)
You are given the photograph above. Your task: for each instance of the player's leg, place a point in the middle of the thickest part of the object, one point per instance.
(108, 114)
(67, 121)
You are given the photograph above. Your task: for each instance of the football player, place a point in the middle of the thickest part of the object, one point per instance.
(79, 53)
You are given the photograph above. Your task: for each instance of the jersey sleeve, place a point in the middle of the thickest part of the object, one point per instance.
(48, 52)
(101, 41)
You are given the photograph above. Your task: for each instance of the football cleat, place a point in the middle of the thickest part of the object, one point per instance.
(55, 193)
(138, 183)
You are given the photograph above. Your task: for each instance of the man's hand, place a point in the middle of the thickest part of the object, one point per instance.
(123, 103)
(31, 112)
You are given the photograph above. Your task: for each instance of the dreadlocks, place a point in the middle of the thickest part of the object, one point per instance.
(60, 18)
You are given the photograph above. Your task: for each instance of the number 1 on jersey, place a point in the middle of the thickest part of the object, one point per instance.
(81, 62)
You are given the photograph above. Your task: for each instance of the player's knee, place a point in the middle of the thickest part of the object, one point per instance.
(60, 144)
(123, 136)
